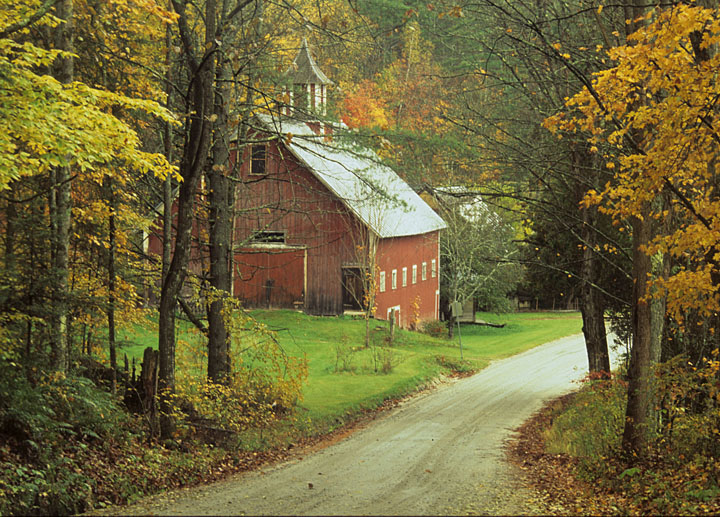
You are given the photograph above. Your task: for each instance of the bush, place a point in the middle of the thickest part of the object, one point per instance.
(689, 398)
(591, 427)
(45, 427)
(434, 328)
(344, 357)
(265, 383)
(385, 359)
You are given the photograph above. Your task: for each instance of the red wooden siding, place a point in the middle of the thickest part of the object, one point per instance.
(401, 252)
(270, 277)
(320, 239)
(290, 199)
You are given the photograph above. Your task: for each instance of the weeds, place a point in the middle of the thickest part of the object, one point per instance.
(591, 427)
(680, 473)
(344, 356)
(455, 365)
(385, 359)
(433, 328)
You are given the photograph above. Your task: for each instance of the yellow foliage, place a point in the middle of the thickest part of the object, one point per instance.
(658, 105)
(265, 383)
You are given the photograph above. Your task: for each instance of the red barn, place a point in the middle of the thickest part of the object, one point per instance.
(320, 214)
(316, 214)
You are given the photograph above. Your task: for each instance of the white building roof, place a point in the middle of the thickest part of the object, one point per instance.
(371, 190)
(468, 202)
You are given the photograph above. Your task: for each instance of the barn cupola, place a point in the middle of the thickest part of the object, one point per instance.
(308, 90)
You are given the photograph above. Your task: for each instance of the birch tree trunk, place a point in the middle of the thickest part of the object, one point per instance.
(60, 204)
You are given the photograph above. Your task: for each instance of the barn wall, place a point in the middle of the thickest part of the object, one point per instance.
(404, 252)
(290, 199)
(270, 277)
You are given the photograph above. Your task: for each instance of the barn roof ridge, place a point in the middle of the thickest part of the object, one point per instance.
(371, 190)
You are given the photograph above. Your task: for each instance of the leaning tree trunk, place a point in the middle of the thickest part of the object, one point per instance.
(192, 165)
(172, 284)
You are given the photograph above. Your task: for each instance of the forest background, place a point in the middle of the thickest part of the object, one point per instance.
(590, 130)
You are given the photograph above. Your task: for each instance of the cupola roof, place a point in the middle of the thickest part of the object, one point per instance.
(304, 70)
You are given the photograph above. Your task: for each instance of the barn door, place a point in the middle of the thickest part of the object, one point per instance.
(353, 291)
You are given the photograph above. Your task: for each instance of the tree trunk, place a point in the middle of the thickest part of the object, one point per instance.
(10, 233)
(639, 412)
(61, 215)
(220, 197)
(168, 148)
(591, 302)
(111, 285)
(192, 165)
(367, 331)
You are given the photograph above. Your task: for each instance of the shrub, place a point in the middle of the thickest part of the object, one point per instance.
(385, 359)
(434, 328)
(344, 357)
(265, 383)
(689, 398)
(45, 427)
(592, 425)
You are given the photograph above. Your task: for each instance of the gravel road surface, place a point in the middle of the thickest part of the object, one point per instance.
(440, 453)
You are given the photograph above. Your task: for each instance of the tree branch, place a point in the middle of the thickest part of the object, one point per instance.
(17, 26)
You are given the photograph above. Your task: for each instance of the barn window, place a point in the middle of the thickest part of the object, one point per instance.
(414, 274)
(393, 280)
(382, 281)
(259, 159)
(433, 268)
(424, 271)
(404, 276)
(268, 237)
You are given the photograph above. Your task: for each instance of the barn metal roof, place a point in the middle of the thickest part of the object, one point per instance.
(371, 190)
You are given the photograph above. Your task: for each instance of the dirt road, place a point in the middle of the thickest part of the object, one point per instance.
(439, 453)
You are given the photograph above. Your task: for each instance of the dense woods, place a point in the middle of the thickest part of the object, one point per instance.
(587, 131)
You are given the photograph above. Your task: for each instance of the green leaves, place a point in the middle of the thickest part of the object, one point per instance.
(48, 124)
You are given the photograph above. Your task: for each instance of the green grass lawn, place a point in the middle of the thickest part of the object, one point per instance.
(330, 395)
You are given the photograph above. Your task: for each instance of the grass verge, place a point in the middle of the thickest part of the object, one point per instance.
(570, 451)
(345, 379)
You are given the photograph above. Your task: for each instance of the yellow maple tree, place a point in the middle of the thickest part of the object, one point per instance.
(653, 116)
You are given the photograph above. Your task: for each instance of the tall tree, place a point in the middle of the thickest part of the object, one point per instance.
(200, 58)
(52, 125)
(657, 106)
(477, 252)
(531, 57)
(60, 201)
